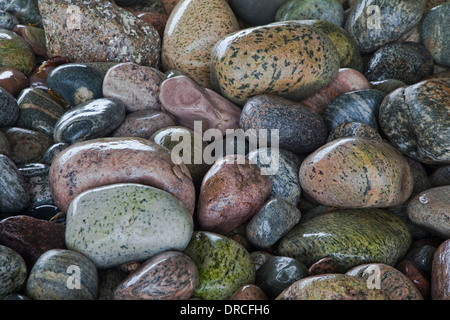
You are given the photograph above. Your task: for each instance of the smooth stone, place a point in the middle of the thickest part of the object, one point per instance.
(288, 59)
(38, 77)
(357, 173)
(392, 282)
(76, 83)
(9, 109)
(328, 10)
(38, 111)
(15, 52)
(422, 258)
(278, 273)
(376, 23)
(186, 144)
(108, 280)
(90, 120)
(157, 20)
(35, 37)
(335, 286)
(53, 277)
(430, 210)
(126, 222)
(387, 86)
(282, 168)
(354, 129)
(106, 161)
(122, 37)
(259, 257)
(419, 280)
(357, 106)
(415, 119)
(51, 153)
(47, 212)
(440, 273)
(273, 221)
(434, 33)
(36, 177)
(31, 237)
(169, 275)
(27, 146)
(26, 11)
(7, 20)
(249, 292)
(440, 177)
(193, 28)
(15, 197)
(300, 130)
(143, 124)
(4, 145)
(135, 85)
(13, 80)
(189, 102)
(256, 12)
(219, 281)
(231, 192)
(350, 236)
(408, 62)
(324, 265)
(13, 271)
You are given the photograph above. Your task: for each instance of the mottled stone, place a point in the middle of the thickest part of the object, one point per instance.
(26, 11)
(53, 277)
(249, 292)
(347, 80)
(259, 257)
(278, 273)
(415, 119)
(231, 192)
(324, 265)
(274, 220)
(15, 197)
(408, 62)
(15, 52)
(31, 237)
(189, 102)
(356, 173)
(7, 20)
(288, 59)
(38, 111)
(169, 275)
(186, 144)
(419, 280)
(354, 129)
(80, 32)
(376, 23)
(193, 28)
(256, 12)
(13, 271)
(357, 106)
(334, 286)
(121, 223)
(394, 284)
(106, 161)
(157, 20)
(440, 276)
(350, 237)
(9, 109)
(430, 210)
(299, 129)
(327, 10)
(13, 80)
(434, 33)
(135, 85)
(90, 120)
(36, 177)
(219, 281)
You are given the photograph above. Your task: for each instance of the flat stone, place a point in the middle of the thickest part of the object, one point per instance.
(169, 275)
(13, 271)
(15, 197)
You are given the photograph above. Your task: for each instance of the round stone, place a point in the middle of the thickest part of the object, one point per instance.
(13, 271)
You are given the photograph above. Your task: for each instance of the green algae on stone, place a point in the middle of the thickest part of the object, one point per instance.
(350, 237)
(15, 52)
(288, 59)
(223, 265)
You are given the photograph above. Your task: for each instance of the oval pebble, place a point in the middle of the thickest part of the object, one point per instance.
(53, 277)
(13, 271)
(15, 197)
(121, 223)
(219, 281)
(90, 120)
(170, 275)
(15, 52)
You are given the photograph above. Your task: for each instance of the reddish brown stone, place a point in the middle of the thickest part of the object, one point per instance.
(38, 78)
(324, 265)
(168, 5)
(249, 292)
(440, 273)
(31, 237)
(157, 20)
(417, 278)
(13, 80)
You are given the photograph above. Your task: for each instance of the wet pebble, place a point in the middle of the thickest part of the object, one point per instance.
(418, 278)
(15, 52)
(353, 129)
(328, 10)
(36, 177)
(440, 277)
(13, 271)
(13, 80)
(15, 195)
(9, 109)
(249, 292)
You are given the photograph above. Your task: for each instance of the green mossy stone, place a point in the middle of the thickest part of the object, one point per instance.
(15, 52)
(350, 237)
(223, 264)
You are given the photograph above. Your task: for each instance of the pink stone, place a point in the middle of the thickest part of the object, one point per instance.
(187, 101)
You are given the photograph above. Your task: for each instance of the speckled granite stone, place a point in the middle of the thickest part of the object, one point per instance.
(13, 271)
(434, 33)
(36, 177)
(15, 197)
(375, 236)
(7, 20)
(327, 10)
(353, 129)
